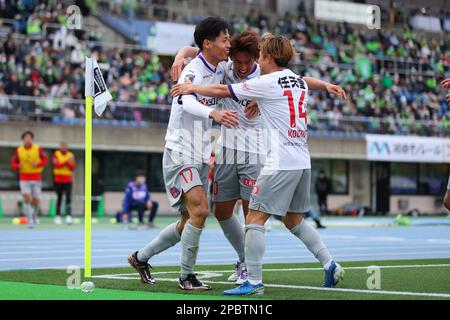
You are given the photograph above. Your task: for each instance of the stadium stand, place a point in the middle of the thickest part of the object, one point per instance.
(389, 76)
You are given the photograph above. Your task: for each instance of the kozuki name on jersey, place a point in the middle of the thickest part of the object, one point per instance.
(282, 98)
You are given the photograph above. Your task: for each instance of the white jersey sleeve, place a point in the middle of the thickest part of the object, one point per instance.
(253, 89)
(190, 102)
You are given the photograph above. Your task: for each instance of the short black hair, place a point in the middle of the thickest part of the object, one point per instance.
(139, 173)
(209, 28)
(26, 133)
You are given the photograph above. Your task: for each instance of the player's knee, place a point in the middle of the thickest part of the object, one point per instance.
(198, 209)
(221, 216)
(290, 221)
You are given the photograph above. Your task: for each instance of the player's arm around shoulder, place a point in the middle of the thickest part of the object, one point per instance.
(212, 90)
(253, 89)
(180, 61)
(317, 84)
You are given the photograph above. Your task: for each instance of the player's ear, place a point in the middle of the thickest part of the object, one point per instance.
(206, 44)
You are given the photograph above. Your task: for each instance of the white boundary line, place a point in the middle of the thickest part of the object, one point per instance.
(213, 273)
(398, 293)
(293, 269)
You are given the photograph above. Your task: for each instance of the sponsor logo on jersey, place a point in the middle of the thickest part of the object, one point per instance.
(174, 192)
(244, 102)
(209, 101)
(249, 182)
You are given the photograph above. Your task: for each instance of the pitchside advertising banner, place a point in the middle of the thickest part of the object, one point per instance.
(407, 149)
(167, 38)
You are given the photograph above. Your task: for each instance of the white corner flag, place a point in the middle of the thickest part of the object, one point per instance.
(95, 86)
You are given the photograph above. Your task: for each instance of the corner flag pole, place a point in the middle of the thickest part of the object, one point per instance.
(88, 187)
(95, 86)
(89, 93)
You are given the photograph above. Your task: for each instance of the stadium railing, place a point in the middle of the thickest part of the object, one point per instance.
(63, 111)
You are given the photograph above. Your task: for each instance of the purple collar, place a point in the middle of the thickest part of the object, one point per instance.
(255, 66)
(206, 63)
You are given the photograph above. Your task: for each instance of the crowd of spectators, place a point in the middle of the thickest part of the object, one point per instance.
(386, 75)
(52, 66)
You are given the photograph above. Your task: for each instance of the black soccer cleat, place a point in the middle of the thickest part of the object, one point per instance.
(143, 268)
(192, 283)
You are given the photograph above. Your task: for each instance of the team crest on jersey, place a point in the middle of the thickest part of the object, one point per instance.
(174, 192)
(255, 190)
(190, 77)
(245, 86)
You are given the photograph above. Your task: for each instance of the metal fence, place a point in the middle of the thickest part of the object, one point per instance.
(71, 112)
(121, 114)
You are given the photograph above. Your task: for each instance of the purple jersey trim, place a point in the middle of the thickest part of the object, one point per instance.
(230, 88)
(206, 63)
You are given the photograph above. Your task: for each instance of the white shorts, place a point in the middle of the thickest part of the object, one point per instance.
(33, 188)
(281, 192)
(236, 175)
(179, 178)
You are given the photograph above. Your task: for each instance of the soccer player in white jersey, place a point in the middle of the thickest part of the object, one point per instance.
(282, 188)
(238, 160)
(187, 155)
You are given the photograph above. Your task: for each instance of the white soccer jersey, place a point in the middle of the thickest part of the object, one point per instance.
(187, 133)
(247, 136)
(282, 98)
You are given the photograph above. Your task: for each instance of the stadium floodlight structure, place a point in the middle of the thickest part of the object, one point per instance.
(97, 96)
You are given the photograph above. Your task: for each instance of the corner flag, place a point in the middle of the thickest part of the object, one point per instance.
(97, 96)
(96, 87)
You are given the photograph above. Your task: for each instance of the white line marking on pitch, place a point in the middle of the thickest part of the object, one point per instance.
(125, 275)
(399, 293)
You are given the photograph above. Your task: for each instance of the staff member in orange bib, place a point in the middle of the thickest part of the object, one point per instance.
(30, 160)
(63, 167)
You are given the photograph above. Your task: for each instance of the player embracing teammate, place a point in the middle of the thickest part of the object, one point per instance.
(241, 150)
(187, 155)
(238, 161)
(283, 185)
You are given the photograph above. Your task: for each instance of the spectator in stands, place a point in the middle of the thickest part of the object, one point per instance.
(29, 160)
(63, 168)
(137, 197)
